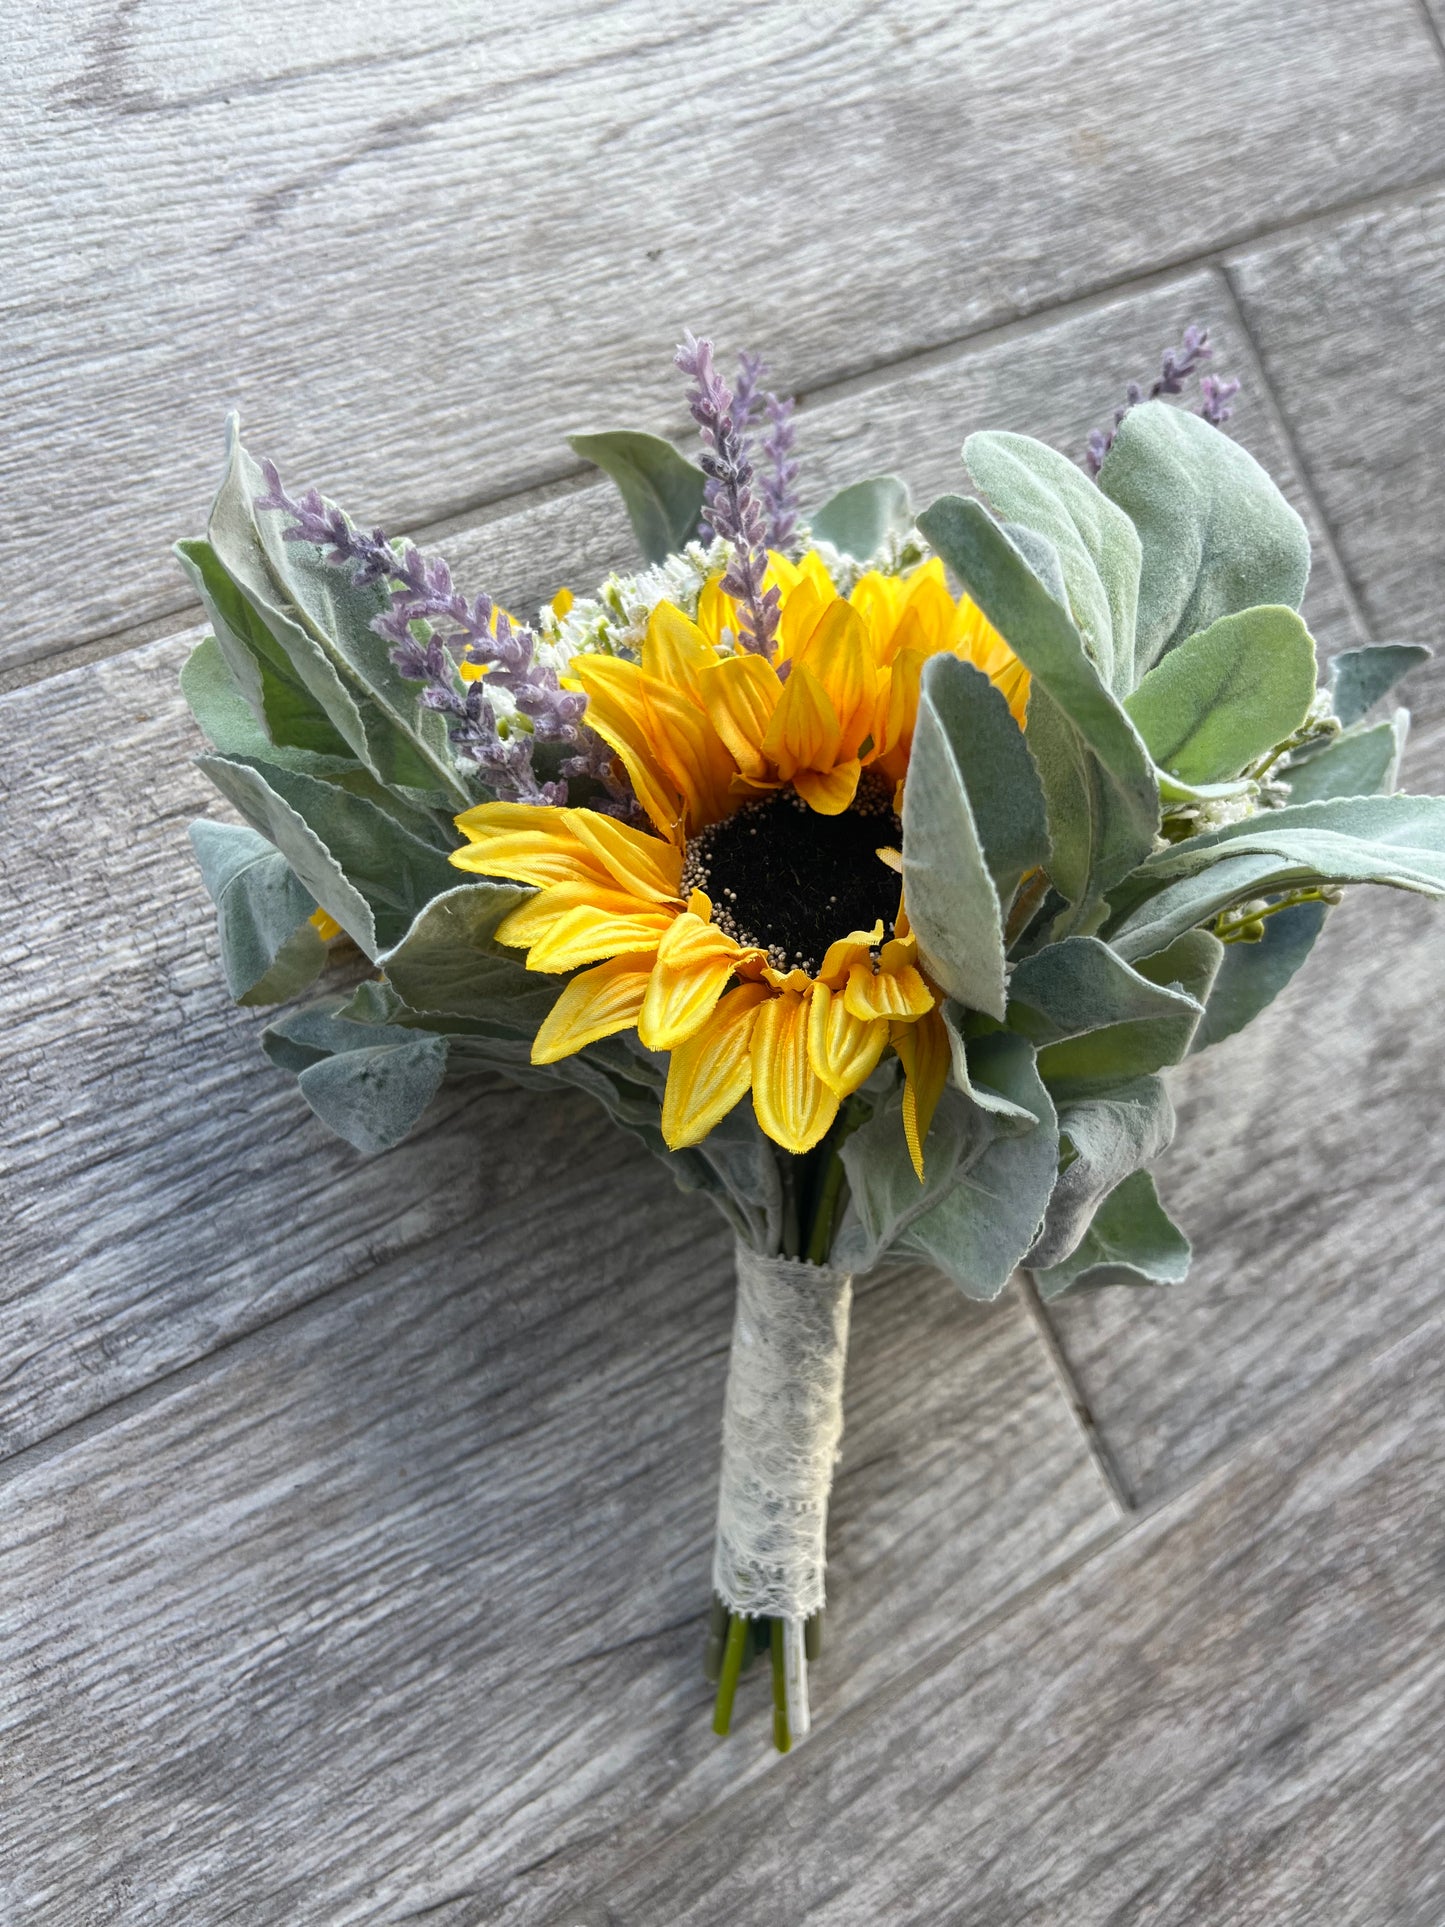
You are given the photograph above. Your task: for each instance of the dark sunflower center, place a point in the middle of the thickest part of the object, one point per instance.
(791, 881)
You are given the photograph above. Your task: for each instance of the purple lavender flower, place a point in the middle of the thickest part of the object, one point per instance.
(746, 397)
(1176, 366)
(780, 483)
(734, 511)
(483, 635)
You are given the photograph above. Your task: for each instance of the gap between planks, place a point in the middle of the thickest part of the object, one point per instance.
(186, 612)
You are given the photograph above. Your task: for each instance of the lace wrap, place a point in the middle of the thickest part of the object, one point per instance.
(782, 1422)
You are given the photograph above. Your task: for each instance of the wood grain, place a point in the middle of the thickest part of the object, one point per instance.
(1343, 312)
(415, 260)
(403, 1597)
(1230, 1717)
(200, 1196)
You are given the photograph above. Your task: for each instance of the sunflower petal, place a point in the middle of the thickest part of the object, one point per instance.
(531, 843)
(676, 651)
(530, 921)
(585, 934)
(595, 1004)
(829, 792)
(616, 710)
(804, 732)
(793, 1104)
(644, 865)
(711, 1072)
(740, 694)
(898, 993)
(694, 961)
(840, 655)
(844, 1050)
(923, 1051)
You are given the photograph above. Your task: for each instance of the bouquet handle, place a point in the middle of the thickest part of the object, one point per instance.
(782, 1424)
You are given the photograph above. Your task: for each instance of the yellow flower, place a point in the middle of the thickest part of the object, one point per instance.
(756, 932)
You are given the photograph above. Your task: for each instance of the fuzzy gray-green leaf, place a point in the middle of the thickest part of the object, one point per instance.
(953, 904)
(269, 948)
(1092, 1017)
(1217, 535)
(1099, 789)
(1226, 695)
(1363, 761)
(1131, 1241)
(859, 519)
(1360, 677)
(661, 490)
(450, 963)
(1109, 1134)
(1027, 482)
(374, 1096)
(1252, 975)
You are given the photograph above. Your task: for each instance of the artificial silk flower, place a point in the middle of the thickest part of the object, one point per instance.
(870, 867)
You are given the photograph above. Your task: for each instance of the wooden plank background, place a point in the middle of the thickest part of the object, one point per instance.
(355, 1513)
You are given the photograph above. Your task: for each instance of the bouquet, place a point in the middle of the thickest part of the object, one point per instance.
(869, 866)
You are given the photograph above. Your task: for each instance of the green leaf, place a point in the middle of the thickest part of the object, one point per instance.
(953, 904)
(1360, 677)
(1191, 964)
(969, 1033)
(1217, 534)
(270, 950)
(359, 863)
(374, 1096)
(1227, 695)
(884, 1194)
(1132, 1241)
(992, 754)
(320, 621)
(1091, 1017)
(859, 519)
(1363, 761)
(1252, 975)
(219, 705)
(661, 490)
(1105, 1135)
(1394, 840)
(986, 1220)
(284, 712)
(1027, 482)
(1099, 791)
(450, 962)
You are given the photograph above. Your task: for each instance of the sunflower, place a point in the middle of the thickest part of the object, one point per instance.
(757, 931)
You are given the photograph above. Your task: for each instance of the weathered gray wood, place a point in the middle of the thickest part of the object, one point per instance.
(200, 1197)
(415, 260)
(1348, 315)
(1308, 1173)
(1233, 1716)
(404, 1596)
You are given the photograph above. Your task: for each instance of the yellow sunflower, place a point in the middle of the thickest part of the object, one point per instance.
(757, 932)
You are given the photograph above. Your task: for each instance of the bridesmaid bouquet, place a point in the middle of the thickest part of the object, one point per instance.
(869, 867)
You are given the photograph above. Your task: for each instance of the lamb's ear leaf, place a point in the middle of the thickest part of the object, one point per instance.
(1099, 790)
(1226, 695)
(1191, 964)
(373, 1096)
(951, 887)
(661, 490)
(980, 1228)
(1360, 677)
(449, 963)
(1217, 535)
(362, 866)
(270, 949)
(319, 620)
(286, 713)
(1131, 1241)
(1107, 1134)
(1027, 482)
(859, 519)
(1363, 761)
(1092, 1017)
(1396, 840)
(1252, 975)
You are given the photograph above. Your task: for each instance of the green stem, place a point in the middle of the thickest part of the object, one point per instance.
(821, 1237)
(782, 1739)
(727, 1685)
(813, 1637)
(717, 1632)
(1228, 931)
